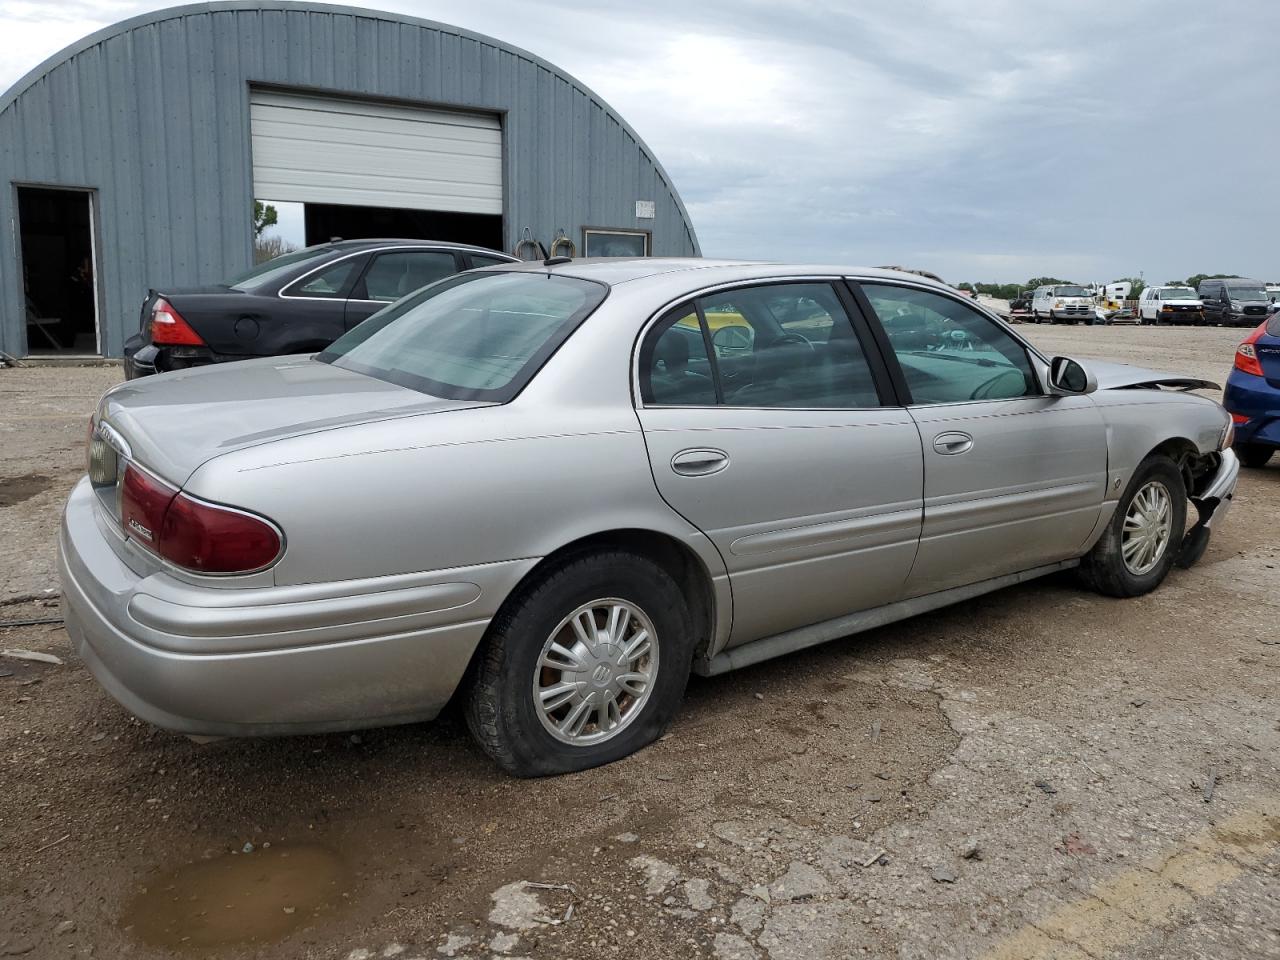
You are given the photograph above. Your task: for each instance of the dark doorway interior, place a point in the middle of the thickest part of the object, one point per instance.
(326, 220)
(56, 229)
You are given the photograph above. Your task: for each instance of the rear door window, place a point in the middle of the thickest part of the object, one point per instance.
(399, 273)
(774, 345)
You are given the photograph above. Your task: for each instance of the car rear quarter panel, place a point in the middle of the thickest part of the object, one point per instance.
(501, 486)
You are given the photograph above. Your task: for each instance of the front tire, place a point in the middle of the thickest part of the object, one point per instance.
(1253, 455)
(583, 667)
(1143, 536)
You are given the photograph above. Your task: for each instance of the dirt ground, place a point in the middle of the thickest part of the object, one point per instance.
(1039, 773)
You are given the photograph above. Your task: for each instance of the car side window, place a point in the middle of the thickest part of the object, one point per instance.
(675, 369)
(329, 283)
(480, 260)
(399, 273)
(949, 352)
(775, 345)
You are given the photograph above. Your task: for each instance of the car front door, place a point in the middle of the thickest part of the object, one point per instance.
(768, 419)
(1014, 478)
(392, 274)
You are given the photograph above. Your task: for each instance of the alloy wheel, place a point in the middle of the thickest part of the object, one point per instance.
(595, 672)
(1148, 528)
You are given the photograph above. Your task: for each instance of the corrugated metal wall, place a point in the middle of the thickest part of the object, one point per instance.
(153, 115)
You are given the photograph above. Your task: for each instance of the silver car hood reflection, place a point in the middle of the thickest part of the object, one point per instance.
(1118, 376)
(193, 415)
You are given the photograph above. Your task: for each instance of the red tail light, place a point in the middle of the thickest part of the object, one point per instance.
(168, 327)
(144, 501)
(209, 539)
(194, 535)
(1247, 356)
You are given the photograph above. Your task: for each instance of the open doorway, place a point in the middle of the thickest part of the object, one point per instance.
(327, 220)
(58, 274)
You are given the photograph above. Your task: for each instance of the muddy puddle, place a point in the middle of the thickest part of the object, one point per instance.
(16, 489)
(239, 898)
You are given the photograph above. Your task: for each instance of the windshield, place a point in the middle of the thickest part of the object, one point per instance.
(469, 337)
(1070, 292)
(1247, 292)
(1178, 293)
(274, 269)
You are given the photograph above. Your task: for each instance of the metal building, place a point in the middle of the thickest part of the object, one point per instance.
(132, 158)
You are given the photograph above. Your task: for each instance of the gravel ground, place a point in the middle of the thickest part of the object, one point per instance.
(1037, 773)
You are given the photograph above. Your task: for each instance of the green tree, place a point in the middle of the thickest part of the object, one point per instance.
(1045, 282)
(264, 215)
(1195, 278)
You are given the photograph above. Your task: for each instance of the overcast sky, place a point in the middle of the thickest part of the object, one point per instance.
(986, 140)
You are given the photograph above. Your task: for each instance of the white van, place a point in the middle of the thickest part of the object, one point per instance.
(1170, 305)
(1064, 301)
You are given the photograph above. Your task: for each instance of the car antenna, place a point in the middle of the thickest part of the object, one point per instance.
(553, 261)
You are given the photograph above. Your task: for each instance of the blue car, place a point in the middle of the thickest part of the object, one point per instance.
(1253, 394)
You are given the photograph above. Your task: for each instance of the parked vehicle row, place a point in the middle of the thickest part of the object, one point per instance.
(563, 486)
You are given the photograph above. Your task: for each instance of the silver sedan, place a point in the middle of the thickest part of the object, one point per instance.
(557, 489)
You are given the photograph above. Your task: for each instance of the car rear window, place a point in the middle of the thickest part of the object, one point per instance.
(469, 337)
(278, 267)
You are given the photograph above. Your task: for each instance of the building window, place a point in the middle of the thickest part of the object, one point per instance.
(603, 242)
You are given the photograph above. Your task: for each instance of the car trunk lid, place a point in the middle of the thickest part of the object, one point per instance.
(175, 422)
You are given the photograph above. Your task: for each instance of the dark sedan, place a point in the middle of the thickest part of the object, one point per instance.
(298, 303)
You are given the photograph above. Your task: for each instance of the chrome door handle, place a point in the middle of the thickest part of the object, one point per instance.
(699, 462)
(949, 444)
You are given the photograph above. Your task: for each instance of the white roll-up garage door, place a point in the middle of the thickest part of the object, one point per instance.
(312, 149)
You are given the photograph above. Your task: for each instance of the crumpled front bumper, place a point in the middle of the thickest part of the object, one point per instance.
(1215, 500)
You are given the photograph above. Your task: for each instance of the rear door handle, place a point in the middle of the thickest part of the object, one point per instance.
(949, 444)
(701, 462)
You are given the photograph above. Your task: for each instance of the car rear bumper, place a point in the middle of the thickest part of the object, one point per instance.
(218, 661)
(1250, 396)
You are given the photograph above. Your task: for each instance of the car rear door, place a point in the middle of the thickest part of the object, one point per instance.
(309, 312)
(1014, 478)
(395, 273)
(769, 423)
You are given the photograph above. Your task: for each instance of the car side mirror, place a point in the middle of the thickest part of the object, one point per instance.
(1070, 378)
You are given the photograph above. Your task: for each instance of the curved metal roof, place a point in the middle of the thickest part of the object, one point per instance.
(185, 10)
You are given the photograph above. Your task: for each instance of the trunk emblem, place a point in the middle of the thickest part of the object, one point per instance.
(140, 530)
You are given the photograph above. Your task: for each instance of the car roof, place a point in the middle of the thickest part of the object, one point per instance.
(369, 242)
(617, 270)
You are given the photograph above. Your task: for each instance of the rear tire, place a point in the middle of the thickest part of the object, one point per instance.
(1119, 564)
(1253, 455)
(508, 710)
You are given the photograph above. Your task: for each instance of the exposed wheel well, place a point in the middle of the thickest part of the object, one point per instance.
(1186, 455)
